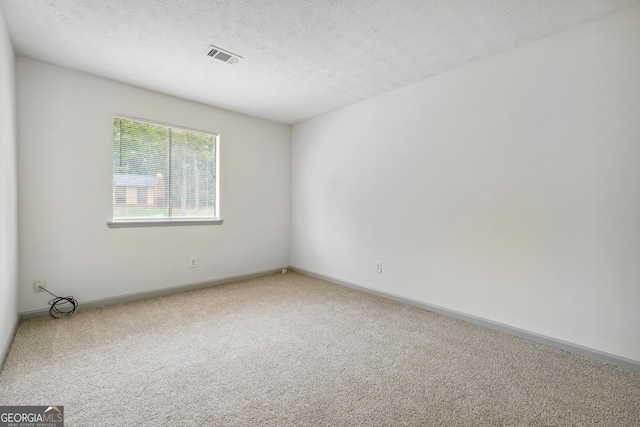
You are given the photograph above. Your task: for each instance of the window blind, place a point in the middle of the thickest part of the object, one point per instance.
(163, 172)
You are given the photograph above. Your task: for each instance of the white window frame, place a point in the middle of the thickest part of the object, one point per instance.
(151, 222)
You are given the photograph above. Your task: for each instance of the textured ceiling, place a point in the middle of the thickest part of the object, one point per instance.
(302, 58)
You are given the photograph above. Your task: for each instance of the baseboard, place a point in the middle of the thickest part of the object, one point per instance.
(576, 349)
(84, 305)
(5, 352)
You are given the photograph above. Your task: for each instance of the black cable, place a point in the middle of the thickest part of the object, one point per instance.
(57, 312)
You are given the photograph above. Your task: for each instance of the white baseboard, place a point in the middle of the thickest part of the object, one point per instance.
(5, 351)
(150, 294)
(589, 353)
(612, 359)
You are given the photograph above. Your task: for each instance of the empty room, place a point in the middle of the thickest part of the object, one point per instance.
(320, 213)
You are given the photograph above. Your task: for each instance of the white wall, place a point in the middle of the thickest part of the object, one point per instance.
(8, 192)
(64, 162)
(508, 189)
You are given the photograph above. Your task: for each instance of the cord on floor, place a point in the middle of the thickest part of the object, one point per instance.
(61, 306)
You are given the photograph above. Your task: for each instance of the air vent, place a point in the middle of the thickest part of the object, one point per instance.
(223, 55)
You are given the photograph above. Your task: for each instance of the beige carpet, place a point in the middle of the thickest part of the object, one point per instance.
(295, 351)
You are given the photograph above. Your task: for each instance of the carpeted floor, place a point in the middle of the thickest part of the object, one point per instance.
(289, 350)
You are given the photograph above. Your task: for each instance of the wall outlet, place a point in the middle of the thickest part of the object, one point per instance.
(39, 284)
(379, 267)
(194, 263)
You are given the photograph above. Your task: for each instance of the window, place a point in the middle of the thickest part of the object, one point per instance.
(142, 195)
(163, 174)
(120, 194)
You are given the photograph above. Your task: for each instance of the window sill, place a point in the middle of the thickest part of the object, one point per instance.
(162, 223)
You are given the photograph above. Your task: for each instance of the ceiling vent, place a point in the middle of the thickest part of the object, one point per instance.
(223, 55)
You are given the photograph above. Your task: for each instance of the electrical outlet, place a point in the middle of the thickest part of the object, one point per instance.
(379, 267)
(194, 263)
(39, 284)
